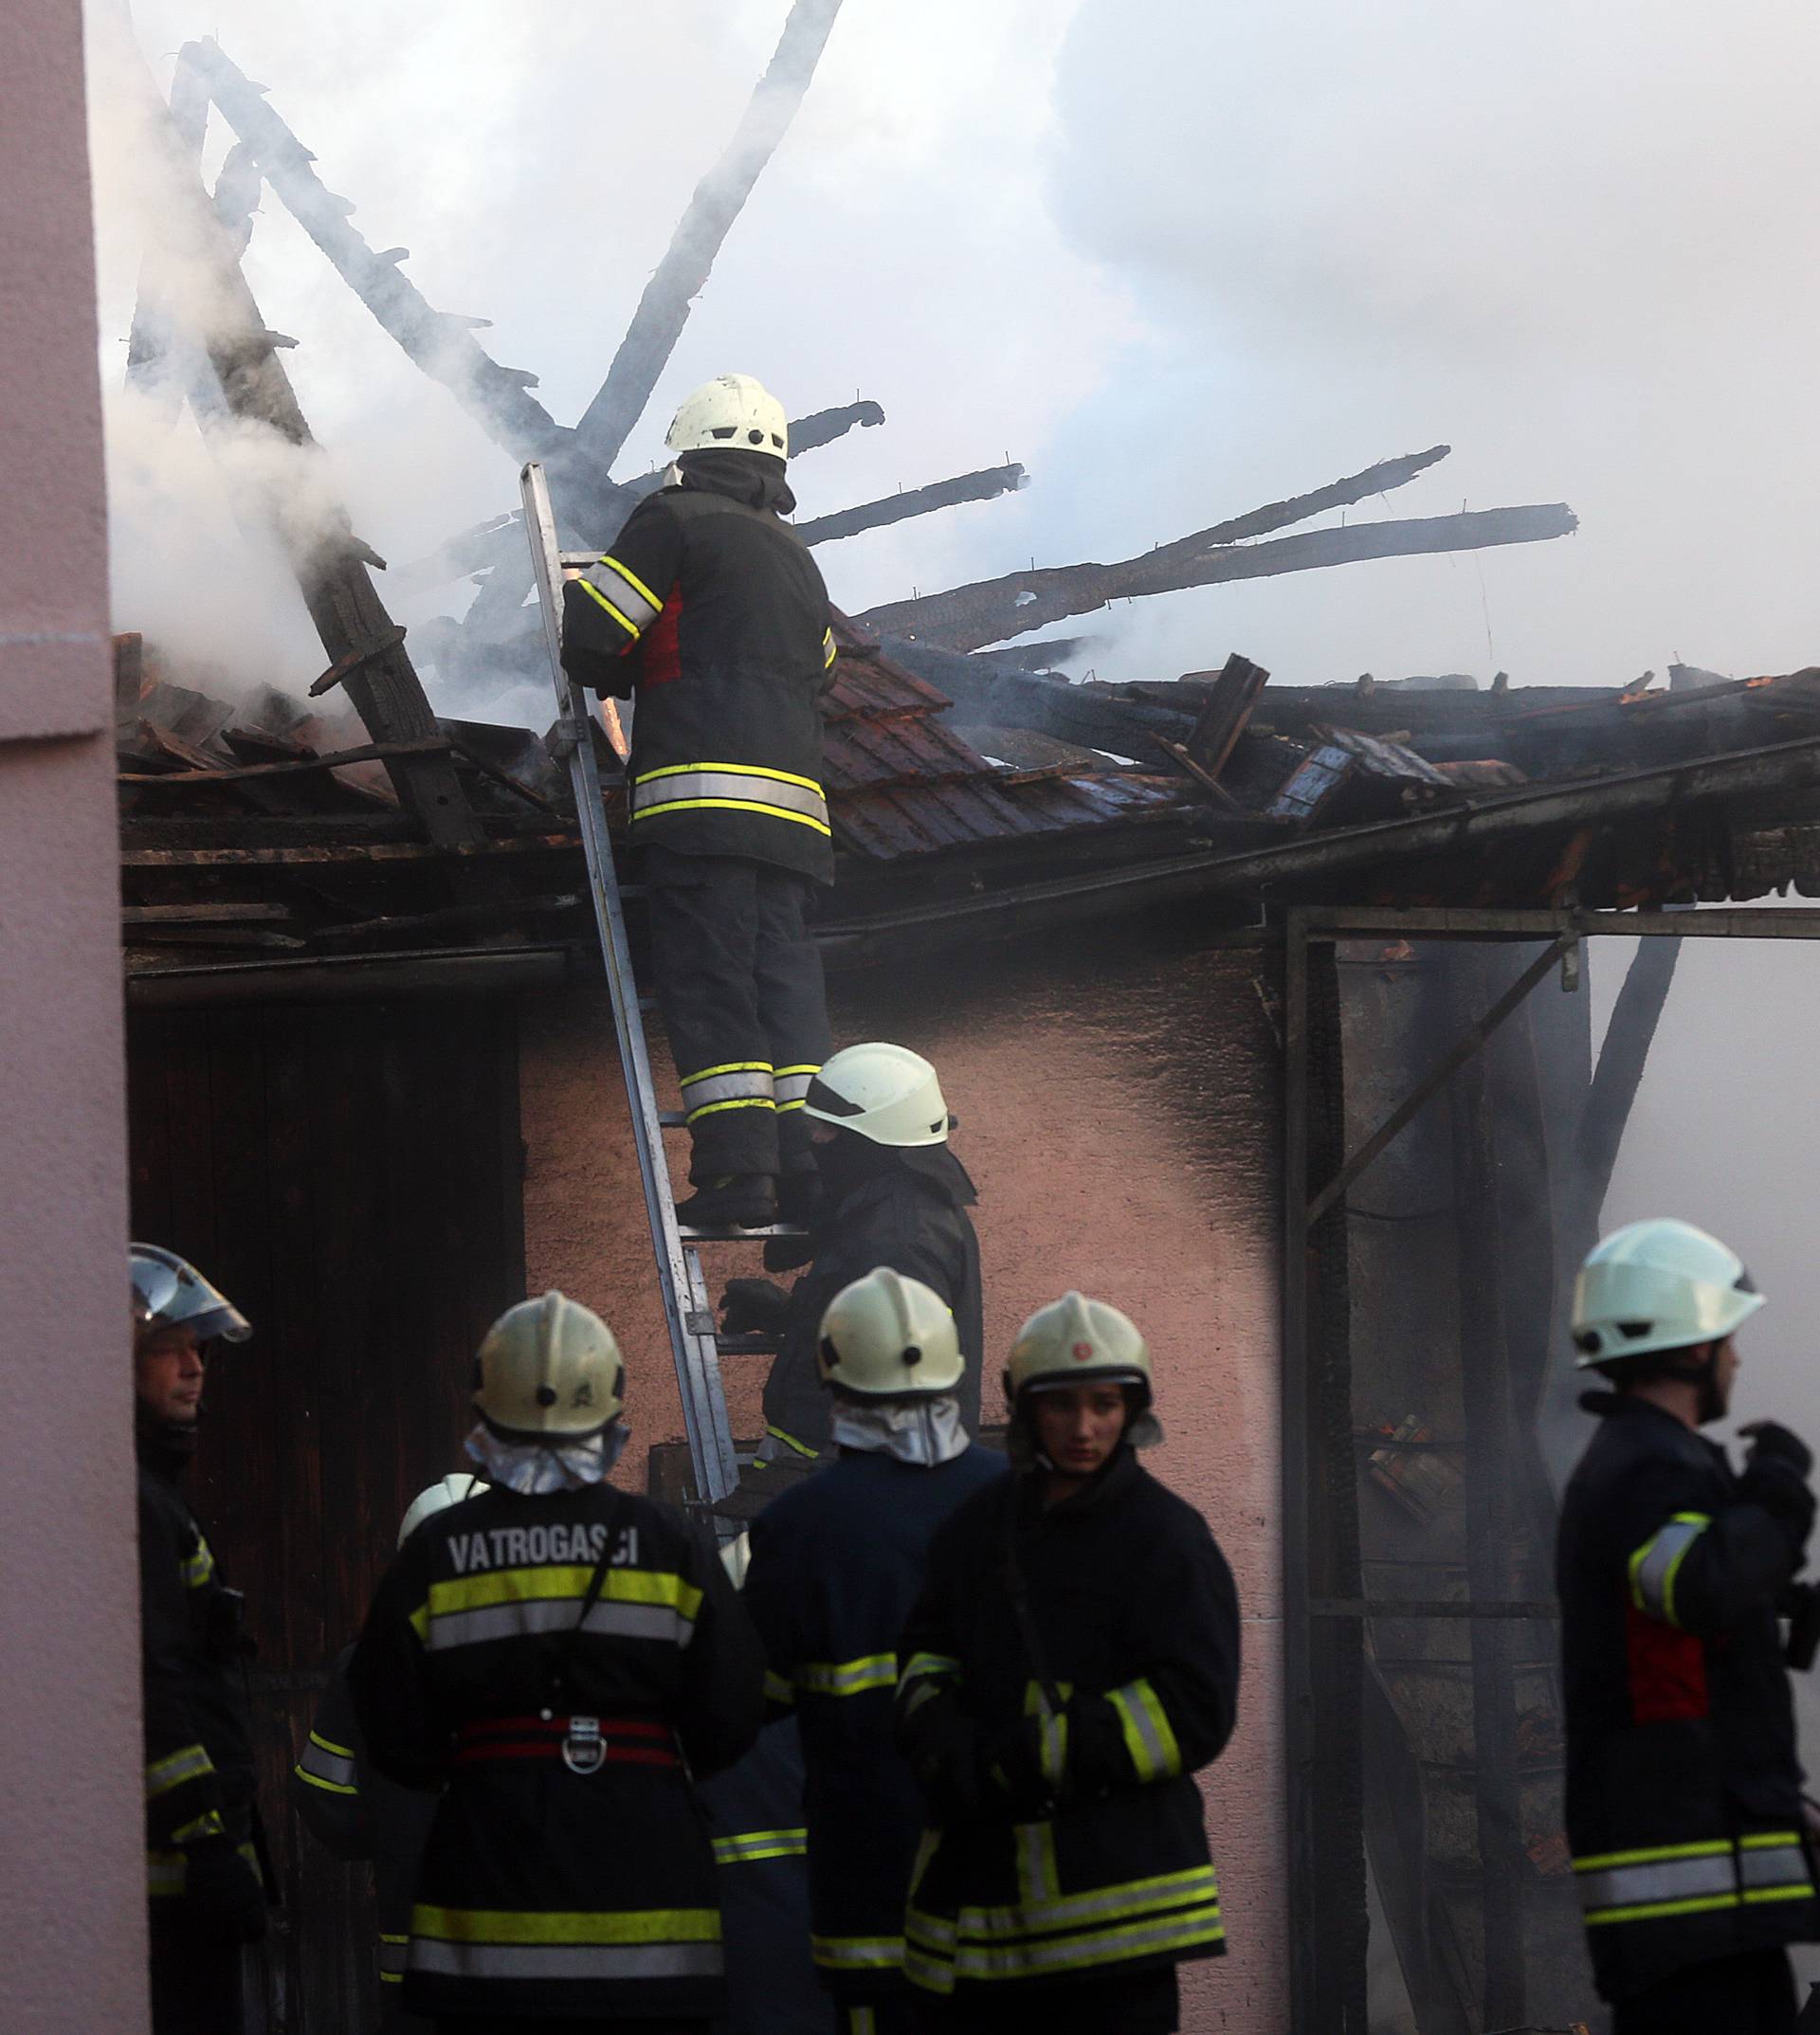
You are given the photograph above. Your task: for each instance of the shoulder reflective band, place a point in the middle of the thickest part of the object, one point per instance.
(207, 1824)
(200, 1566)
(736, 786)
(1656, 1564)
(393, 1952)
(847, 1678)
(791, 1085)
(922, 1678)
(830, 649)
(778, 1690)
(642, 1604)
(328, 1765)
(188, 1764)
(515, 1944)
(1149, 1738)
(623, 596)
(735, 1084)
(750, 1847)
(857, 1954)
(1659, 1884)
(1172, 1915)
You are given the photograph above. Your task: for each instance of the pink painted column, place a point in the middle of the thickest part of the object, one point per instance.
(72, 1873)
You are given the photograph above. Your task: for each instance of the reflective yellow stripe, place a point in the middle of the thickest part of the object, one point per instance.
(857, 1954)
(515, 1925)
(729, 1066)
(595, 595)
(518, 1585)
(714, 1109)
(1657, 1563)
(165, 1872)
(733, 805)
(1149, 1736)
(1666, 1909)
(929, 1664)
(206, 1825)
(749, 1846)
(1601, 1860)
(742, 769)
(789, 1441)
(778, 1690)
(847, 1678)
(200, 1566)
(633, 580)
(328, 1788)
(830, 649)
(188, 1764)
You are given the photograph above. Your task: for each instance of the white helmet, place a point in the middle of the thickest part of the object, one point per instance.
(889, 1337)
(549, 1367)
(886, 1093)
(1660, 1284)
(439, 1497)
(1077, 1341)
(732, 414)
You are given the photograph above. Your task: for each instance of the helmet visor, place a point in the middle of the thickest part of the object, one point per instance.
(168, 1292)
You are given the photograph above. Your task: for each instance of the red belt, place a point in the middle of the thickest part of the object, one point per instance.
(583, 1744)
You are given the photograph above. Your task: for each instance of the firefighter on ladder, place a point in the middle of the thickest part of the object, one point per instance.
(1691, 1840)
(837, 1561)
(1072, 1661)
(204, 1872)
(558, 1656)
(711, 611)
(893, 1193)
(357, 1813)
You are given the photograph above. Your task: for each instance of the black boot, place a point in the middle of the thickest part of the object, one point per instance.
(735, 1201)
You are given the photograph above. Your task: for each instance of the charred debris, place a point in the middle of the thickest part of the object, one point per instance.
(273, 836)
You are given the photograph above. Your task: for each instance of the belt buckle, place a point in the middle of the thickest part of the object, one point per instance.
(584, 1750)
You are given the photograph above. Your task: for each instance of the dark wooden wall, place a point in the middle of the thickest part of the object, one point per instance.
(350, 1176)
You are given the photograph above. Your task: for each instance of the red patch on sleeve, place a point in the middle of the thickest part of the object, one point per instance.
(660, 658)
(1667, 1670)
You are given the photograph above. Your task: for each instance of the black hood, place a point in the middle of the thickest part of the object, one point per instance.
(851, 1162)
(163, 1445)
(754, 478)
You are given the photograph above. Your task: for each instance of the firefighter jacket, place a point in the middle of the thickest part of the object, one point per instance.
(1683, 1792)
(1091, 1653)
(553, 1662)
(357, 1813)
(883, 1207)
(711, 609)
(198, 1728)
(837, 1562)
(761, 1846)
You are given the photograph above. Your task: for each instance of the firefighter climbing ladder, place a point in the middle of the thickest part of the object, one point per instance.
(687, 1310)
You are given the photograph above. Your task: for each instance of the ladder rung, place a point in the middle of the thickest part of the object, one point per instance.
(672, 1120)
(690, 1234)
(646, 1000)
(747, 1344)
(634, 890)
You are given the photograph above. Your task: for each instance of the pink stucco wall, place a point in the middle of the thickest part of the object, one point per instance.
(71, 1839)
(1118, 1111)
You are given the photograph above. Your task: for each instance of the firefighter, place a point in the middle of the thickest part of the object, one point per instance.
(207, 1886)
(1684, 1808)
(557, 1656)
(836, 1564)
(711, 611)
(1072, 1661)
(893, 1194)
(357, 1813)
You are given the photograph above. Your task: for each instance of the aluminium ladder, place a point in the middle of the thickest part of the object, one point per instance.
(687, 1310)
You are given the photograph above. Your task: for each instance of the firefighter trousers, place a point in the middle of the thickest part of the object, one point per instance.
(196, 1974)
(1752, 1994)
(738, 980)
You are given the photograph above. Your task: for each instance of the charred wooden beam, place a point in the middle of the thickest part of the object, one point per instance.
(970, 617)
(1619, 1074)
(440, 343)
(349, 852)
(202, 915)
(823, 427)
(664, 309)
(453, 918)
(984, 485)
(334, 759)
(343, 668)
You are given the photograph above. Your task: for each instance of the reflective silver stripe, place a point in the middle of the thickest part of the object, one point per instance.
(791, 1085)
(857, 1954)
(1714, 1879)
(728, 781)
(847, 1678)
(1148, 1739)
(165, 1873)
(1653, 1566)
(627, 591)
(328, 1765)
(751, 1845)
(1196, 1887)
(176, 1768)
(1174, 1931)
(726, 1089)
(565, 1960)
(556, 1614)
(394, 1956)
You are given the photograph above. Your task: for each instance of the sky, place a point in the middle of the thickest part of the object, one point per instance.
(1178, 260)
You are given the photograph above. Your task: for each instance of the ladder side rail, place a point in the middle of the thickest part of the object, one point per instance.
(688, 1320)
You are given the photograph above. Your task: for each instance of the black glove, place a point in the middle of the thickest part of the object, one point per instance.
(1011, 1774)
(1770, 1438)
(222, 1890)
(753, 1306)
(943, 1748)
